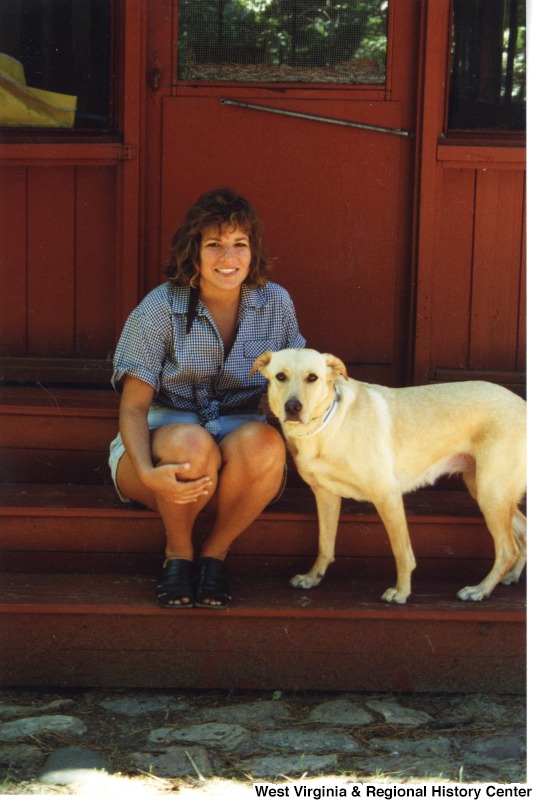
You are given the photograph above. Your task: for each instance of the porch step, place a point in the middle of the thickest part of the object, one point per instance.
(57, 528)
(106, 630)
(62, 435)
(77, 590)
(56, 435)
(77, 601)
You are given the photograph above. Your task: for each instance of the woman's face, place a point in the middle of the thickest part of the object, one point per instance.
(225, 258)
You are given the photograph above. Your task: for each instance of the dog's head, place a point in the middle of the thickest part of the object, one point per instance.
(300, 382)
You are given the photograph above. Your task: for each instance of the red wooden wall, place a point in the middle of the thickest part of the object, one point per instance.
(75, 219)
(58, 261)
(69, 234)
(470, 300)
(479, 270)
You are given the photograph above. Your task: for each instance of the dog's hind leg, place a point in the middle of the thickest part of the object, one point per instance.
(519, 532)
(328, 508)
(499, 516)
(392, 513)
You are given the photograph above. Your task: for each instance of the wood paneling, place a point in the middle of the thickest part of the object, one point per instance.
(470, 246)
(58, 261)
(496, 267)
(13, 279)
(95, 299)
(522, 313)
(453, 268)
(478, 296)
(51, 265)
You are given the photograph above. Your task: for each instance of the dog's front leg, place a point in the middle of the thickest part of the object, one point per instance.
(328, 508)
(392, 513)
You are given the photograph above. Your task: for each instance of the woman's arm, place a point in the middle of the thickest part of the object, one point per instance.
(168, 480)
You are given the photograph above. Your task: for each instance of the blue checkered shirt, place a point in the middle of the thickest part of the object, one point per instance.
(188, 371)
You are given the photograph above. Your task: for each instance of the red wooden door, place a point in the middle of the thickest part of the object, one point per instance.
(336, 200)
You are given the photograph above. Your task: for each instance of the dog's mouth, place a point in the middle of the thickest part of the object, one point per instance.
(296, 419)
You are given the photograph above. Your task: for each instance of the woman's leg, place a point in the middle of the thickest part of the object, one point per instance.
(171, 444)
(251, 461)
(253, 469)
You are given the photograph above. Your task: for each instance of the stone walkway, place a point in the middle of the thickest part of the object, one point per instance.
(70, 742)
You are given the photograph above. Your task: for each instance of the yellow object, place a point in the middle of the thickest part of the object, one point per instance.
(23, 106)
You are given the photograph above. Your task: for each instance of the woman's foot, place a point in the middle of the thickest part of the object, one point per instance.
(212, 584)
(175, 587)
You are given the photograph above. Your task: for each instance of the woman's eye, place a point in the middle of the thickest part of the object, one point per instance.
(311, 378)
(281, 377)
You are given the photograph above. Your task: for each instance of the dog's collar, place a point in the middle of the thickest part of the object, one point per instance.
(327, 419)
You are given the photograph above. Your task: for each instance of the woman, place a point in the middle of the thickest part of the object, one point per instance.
(191, 432)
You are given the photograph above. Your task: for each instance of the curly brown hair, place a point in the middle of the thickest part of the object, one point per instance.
(217, 208)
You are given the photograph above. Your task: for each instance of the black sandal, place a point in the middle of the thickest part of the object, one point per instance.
(175, 583)
(212, 584)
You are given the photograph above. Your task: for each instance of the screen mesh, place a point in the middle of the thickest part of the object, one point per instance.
(488, 78)
(292, 41)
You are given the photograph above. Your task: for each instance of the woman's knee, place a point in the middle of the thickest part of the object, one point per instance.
(260, 448)
(181, 442)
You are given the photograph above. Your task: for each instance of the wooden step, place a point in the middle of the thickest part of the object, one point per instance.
(54, 435)
(77, 601)
(62, 435)
(46, 527)
(106, 630)
(77, 604)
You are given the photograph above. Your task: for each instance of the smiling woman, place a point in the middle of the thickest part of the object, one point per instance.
(224, 263)
(217, 210)
(192, 435)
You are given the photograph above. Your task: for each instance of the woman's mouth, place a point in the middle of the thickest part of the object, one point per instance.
(227, 271)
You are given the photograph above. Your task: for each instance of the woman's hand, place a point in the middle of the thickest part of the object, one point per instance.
(169, 482)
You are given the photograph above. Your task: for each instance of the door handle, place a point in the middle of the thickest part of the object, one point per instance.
(330, 120)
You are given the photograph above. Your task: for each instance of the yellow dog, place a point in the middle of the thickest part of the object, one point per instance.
(369, 442)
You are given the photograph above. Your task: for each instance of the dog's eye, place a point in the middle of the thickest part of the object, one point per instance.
(311, 378)
(281, 377)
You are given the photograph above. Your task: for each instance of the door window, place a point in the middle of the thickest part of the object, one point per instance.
(287, 41)
(488, 76)
(55, 64)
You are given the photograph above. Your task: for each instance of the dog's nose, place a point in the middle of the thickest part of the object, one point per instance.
(293, 407)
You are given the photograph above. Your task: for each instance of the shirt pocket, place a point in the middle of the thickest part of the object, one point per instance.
(254, 348)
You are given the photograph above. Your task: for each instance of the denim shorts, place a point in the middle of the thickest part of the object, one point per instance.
(167, 416)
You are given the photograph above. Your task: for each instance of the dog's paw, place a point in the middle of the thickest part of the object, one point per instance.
(305, 581)
(393, 596)
(473, 593)
(513, 576)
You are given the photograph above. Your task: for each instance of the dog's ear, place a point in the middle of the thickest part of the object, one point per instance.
(336, 365)
(261, 363)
